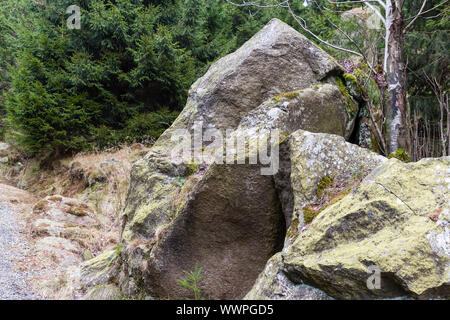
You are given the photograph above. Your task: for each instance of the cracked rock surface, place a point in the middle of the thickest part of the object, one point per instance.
(397, 220)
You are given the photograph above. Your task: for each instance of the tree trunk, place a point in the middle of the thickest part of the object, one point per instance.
(448, 123)
(443, 132)
(396, 76)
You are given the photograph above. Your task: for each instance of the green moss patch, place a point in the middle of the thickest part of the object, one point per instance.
(400, 154)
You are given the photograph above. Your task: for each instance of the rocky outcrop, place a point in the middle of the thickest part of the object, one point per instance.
(324, 215)
(395, 222)
(229, 219)
(4, 152)
(273, 284)
(276, 60)
(322, 157)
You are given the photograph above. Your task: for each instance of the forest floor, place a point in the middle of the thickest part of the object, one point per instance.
(14, 245)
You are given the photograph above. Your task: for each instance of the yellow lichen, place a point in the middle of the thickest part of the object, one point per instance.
(324, 183)
(287, 95)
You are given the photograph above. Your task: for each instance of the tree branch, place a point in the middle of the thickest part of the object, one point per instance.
(298, 19)
(416, 17)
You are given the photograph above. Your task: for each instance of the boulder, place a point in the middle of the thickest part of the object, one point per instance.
(229, 219)
(218, 228)
(319, 156)
(226, 218)
(313, 157)
(66, 211)
(276, 60)
(99, 270)
(397, 221)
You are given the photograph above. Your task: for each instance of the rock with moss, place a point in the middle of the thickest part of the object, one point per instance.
(397, 221)
(93, 279)
(272, 284)
(228, 219)
(319, 163)
(318, 108)
(230, 224)
(224, 202)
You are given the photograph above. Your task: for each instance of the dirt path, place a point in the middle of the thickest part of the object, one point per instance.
(13, 245)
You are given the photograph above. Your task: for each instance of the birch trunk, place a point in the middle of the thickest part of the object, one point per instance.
(396, 76)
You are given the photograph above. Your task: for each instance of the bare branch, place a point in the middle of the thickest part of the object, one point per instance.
(302, 24)
(383, 4)
(377, 12)
(429, 10)
(416, 17)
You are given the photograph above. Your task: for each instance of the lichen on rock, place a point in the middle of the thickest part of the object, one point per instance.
(384, 222)
(228, 218)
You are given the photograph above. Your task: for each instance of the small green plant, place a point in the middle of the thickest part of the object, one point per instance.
(400, 154)
(191, 281)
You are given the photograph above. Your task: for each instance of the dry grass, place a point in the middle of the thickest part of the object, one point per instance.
(98, 179)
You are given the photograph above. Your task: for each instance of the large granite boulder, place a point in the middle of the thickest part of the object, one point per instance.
(395, 223)
(276, 60)
(227, 218)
